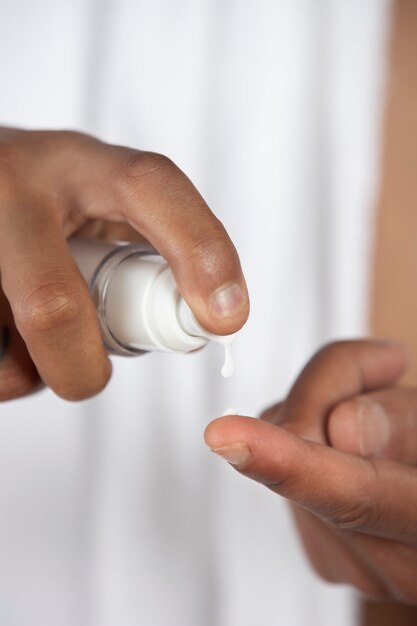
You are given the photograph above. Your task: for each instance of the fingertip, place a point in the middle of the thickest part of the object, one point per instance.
(360, 426)
(258, 449)
(342, 427)
(230, 305)
(251, 445)
(76, 389)
(225, 312)
(228, 438)
(225, 430)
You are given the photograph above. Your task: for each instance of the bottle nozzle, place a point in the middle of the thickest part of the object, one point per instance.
(191, 326)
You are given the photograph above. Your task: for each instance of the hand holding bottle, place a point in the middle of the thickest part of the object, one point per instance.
(54, 185)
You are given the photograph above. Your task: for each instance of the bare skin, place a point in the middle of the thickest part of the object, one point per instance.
(54, 185)
(343, 448)
(394, 301)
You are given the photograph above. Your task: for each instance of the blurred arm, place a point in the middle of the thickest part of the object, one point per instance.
(394, 300)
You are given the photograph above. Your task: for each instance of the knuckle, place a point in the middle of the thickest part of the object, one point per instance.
(50, 306)
(145, 167)
(357, 516)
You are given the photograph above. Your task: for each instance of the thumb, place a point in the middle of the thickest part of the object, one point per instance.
(381, 424)
(337, 373)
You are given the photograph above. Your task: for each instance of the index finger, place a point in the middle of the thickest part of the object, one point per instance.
(339, 371)
(351, 493)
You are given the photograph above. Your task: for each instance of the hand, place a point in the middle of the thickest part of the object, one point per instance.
(343, 448)
(57, 184)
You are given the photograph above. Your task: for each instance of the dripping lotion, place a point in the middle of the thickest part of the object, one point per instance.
(139, 306)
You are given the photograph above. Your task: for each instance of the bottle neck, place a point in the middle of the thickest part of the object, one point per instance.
(138, 302)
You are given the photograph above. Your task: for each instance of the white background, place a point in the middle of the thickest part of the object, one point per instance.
(112, 511)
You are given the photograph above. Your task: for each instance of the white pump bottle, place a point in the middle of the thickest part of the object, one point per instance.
(138, 303)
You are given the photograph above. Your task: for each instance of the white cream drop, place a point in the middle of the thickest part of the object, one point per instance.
(192, 327)
(229, 365)
(230, 412)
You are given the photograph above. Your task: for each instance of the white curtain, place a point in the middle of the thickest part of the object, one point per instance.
(112, 511)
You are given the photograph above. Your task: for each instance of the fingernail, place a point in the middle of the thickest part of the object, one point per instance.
(237, 454)
(374, 428)
(227, 301)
